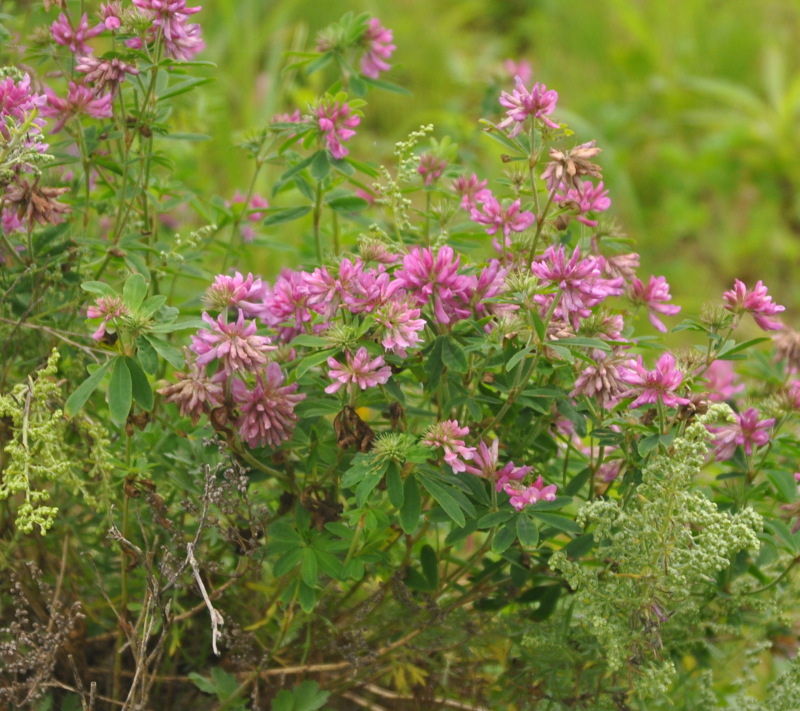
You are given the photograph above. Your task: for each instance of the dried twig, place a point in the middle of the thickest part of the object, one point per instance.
(216, 618)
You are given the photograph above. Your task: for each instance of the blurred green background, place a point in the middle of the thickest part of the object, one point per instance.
(695, 103)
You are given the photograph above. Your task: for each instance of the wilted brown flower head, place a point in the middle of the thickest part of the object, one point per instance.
(787, 348)
(34, 202)
(567, 166)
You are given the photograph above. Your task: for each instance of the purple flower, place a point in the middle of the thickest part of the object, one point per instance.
(756, 302)
(655, 385)
(286, 306)
(254, 214)
(654, 296)
(622, 265)
(195, 393)
(17, 101)
(520, 496)
(521, 103)
(521, 69)
(401, 325)
(447, 435)
(747, 432)
(603, 381)
(492, 214)
(245, 293)
(486, 464)
(585, 198)
(721, 379)
(379, 47)
(435, 278)
(360, 370)
(235, 345)
(106, 308)
(110, 13)
(104, 73)
(80, 100)
(336, 123)
(431, 167)
(64, 34)
(579, 281)
(471, 190)
(182, 40)
(267, 411)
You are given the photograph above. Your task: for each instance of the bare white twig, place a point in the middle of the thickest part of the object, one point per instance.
(216, 618)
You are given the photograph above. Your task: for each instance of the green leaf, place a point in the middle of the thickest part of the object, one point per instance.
(527, 532)
(205, 685)
(347, 203)
(386, 86)
(411, 509)
(134, 291)
(172, 355)
(365, 488)
(495, 518)
(287, 562)
(562, 523)
(183, 86)
(580, 546)
(310, 361)
(430, 565)
(151, 305)
(308, 570)
(785, 483)
(444, 498)
(458, 534)
(120, 391)
(320, 166)
(147, 355)
(306, 339)
(580, 342)
(307, 597)
(648, 444)
(577, 482)
(99, 288)
(504, 537)
(82, 393)
(308, 697)
(281, 215)
(453, 355)
(140, 385)
(394, 485)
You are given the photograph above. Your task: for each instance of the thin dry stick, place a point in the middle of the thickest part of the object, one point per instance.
(386, 694)
(216, 618)
(364, 703)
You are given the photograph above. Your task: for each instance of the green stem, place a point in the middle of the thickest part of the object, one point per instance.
(317, 217)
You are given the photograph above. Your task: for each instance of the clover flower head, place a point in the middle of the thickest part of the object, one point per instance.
(521, 103)
(447, 435)
(580, 282)
(747, 432)
(267, 414)
(654, 297)
(75, 37)
(106, 308)
(401, 325)
(194, 392)
(657, 385)
(585, 198)
(378, 43)
(433, 277)
(359, 370)
(492, 214)
(471, 190)
(756, 302)
(80, 100)
(336, 122)
(239, 292)
(521, 496)
(236, 345)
